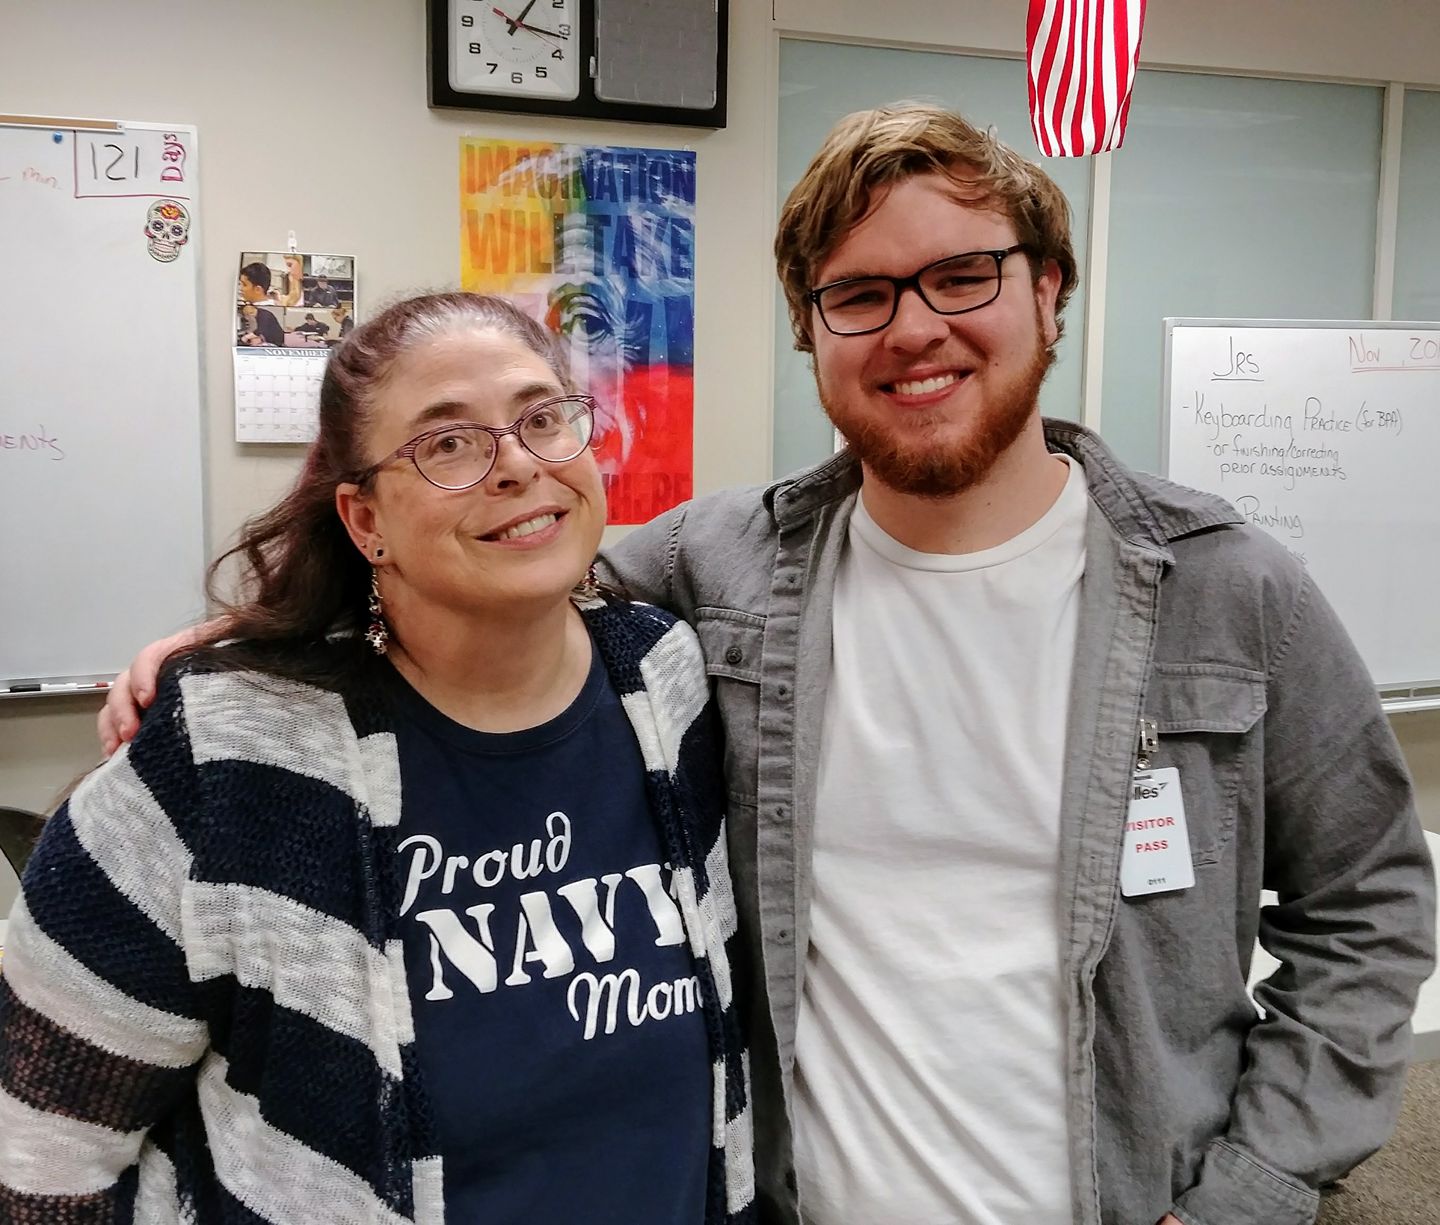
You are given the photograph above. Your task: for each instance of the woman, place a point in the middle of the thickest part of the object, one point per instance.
(292, 281)
(344, 320)
(398, 907)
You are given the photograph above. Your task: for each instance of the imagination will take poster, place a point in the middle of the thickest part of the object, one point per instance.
(599, 243)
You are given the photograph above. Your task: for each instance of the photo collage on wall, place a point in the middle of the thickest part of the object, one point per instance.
(294, 301)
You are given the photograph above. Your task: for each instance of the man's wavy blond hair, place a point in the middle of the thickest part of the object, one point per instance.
(869, 152)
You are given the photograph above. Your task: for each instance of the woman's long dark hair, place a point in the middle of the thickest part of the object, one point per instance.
(303, 585)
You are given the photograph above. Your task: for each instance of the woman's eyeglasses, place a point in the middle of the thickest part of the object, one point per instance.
(459, 456)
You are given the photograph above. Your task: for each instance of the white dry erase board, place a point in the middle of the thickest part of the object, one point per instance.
(102, 540)
(1327, 436)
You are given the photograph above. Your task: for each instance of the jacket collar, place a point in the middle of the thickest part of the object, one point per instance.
(796, 497)
(1147, 510)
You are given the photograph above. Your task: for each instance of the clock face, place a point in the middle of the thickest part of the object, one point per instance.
(516, 48)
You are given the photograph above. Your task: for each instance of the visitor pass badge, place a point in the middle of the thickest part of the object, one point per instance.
(1156, 858)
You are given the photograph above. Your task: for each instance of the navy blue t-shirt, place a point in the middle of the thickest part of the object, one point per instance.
(557, 1012)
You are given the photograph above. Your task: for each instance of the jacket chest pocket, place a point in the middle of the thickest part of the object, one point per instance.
(1205, 714)
(732, 643)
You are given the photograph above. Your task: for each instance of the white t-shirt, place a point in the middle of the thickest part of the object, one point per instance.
(930, 1066)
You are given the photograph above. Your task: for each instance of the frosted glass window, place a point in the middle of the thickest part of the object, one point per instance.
(1417, 243)
(820, 83)
(1233, 197)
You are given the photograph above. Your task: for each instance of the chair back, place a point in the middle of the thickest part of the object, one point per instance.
(19, 829)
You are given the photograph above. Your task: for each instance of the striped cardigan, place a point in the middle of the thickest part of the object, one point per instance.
(203, 1006)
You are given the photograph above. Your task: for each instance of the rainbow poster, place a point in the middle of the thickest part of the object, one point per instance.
(599, 243)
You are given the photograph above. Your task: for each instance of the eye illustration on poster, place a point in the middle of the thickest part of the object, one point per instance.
(598, 243)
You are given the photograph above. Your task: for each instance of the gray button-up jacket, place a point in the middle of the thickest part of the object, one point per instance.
(1179, 1097)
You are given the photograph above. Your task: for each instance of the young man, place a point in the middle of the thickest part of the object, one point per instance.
(312, 326)
(254, 291)
(323, 293)
(954, 662)
(947, 659)
(254, 285)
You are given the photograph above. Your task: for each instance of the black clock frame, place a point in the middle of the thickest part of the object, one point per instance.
(585, 105)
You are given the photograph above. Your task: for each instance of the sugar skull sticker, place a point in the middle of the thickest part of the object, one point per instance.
(167, 229)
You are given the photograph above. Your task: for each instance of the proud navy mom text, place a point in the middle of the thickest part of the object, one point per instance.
(463, 943)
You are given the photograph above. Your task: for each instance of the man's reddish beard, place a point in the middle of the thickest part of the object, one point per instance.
(926, 460)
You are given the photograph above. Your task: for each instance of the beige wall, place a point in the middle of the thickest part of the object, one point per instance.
(381, 181)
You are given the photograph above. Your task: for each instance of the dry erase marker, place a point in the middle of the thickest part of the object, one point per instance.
(64, 687)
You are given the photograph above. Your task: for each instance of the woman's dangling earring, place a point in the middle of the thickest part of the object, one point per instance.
(378, 633)
(588, 587)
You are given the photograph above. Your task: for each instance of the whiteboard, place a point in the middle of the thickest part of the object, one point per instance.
(102, 533)
(1326, 435)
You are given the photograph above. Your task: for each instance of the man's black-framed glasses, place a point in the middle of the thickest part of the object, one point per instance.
(461, 455)
(949, 286)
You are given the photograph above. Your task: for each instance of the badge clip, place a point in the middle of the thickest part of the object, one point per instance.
(1149, 742)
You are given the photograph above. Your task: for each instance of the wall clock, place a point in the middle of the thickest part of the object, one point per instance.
(647, 61)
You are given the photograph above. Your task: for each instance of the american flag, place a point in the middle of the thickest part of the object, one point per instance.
(1082, 56)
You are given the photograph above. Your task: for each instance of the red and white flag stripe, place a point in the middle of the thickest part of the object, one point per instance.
(1083, 55)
